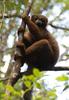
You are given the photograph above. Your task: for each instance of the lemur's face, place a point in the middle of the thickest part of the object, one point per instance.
(39, 20)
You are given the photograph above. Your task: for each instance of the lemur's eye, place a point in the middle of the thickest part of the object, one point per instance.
(34, 18)
(42, 20)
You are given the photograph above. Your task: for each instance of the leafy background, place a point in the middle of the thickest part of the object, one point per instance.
(48, 87)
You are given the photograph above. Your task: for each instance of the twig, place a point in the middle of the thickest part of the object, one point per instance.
(10, 15)
(57, 16)
(4, 79)
(59, 27)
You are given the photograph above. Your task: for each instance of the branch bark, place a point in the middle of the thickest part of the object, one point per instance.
(15, 73)
(59, 27)
(10, 15)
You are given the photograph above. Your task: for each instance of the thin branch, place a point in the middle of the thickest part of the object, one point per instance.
(57, 17)
(20, 16)
(10, 15)
(4, 79)
(58, 27)
(63, 54)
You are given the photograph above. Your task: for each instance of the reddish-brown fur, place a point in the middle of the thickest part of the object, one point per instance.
(41, 48)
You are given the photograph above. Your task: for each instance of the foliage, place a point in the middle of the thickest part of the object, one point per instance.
(66, 2)
(62, 78)
(40, 91)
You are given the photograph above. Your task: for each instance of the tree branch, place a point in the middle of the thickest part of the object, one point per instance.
(58, 27)
(20, 16)
(15, 72)
(10, 16)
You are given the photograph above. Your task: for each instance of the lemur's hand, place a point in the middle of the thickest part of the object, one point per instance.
(25, 17)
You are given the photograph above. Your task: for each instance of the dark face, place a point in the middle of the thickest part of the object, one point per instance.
(39, 20)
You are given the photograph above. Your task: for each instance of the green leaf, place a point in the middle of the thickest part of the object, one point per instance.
(62, 78)
(59, 0)
(2, 87)
(27, 83)
(10, 88)
(31, 78)
(17, 93)
(51, 94)
(13, 91)
(25, 2)
(36, 72)
(38, 85)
